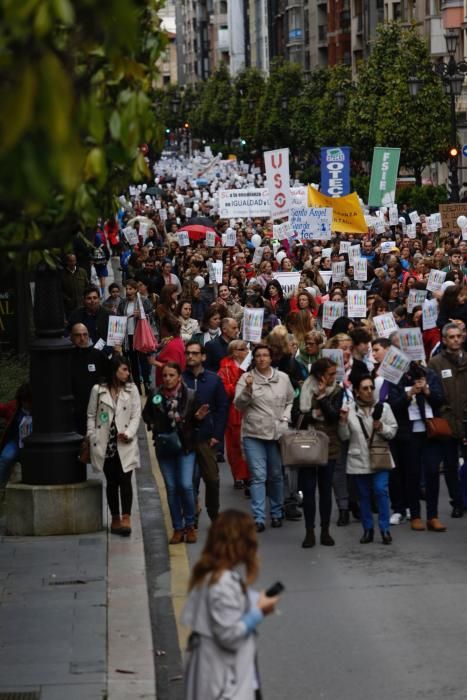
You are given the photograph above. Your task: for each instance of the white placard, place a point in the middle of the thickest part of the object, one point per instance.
(163, 214)
(464, 234)
(284, 230)
(276, 164)
(312, 223)
(435, 280)
(244, 204)
(247, 361)
(131, 235)
(299, 196)
(332, 310)
(432, 223)
(258, 255)
(385, 324)
(354, 253)
(326, 277)
(289, 281)
(230, 238)
(252, 325)
(326, 252)
(414, 217)
(360, 271)
(338, 271)
(411, 343)
(158, 204)
(218, 267)
(356, 303)
(188, 212)
(183, 239)
(394, 365)
(116, 330)
(143, 230)
(393, 216)
(337, 356)
(380, 227)
(411, 231)
(344, 247)
(430, 314)
(210, 239)
(415, 298)
(386, 247)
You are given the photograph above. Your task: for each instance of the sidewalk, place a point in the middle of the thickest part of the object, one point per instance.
(74, 617)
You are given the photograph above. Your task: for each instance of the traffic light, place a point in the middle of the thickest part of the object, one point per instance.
(453, 152)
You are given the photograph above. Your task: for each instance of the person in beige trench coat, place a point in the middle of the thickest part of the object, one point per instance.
(113, 418)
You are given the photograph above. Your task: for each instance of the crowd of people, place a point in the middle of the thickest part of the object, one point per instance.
(211, 393)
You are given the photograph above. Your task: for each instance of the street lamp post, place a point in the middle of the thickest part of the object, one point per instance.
(452, 74)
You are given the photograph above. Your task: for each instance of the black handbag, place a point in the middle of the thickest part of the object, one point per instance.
(168, 444)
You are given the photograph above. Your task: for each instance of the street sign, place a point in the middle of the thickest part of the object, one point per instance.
(464, 150)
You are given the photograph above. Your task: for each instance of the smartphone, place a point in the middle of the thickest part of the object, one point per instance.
(275, 589)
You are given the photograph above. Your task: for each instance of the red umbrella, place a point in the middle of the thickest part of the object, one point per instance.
(197, 232)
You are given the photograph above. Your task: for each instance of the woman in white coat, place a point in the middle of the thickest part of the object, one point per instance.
(114, 413)
(223, 613)
(366, 423)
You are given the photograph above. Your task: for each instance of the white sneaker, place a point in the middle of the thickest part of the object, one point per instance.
(396, 518)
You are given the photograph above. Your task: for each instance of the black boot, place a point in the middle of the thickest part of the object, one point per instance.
(309, 540)
(355, 509)
(386, 537)
(367, 536)
(326, 538)
(344, 517)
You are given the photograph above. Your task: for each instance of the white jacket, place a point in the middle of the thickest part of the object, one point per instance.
(101, 412)
(266, 411)
(358, 456)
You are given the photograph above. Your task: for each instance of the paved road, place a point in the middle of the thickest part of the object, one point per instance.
(363, 621)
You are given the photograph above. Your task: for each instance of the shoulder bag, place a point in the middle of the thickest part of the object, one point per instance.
(304, 448)
(438, 429)
(380, 455)
(143, 339)
(168, 444)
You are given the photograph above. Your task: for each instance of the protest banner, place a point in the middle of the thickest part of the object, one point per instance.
(360, 270)
(429, 314)
(218, 267)
(354, 254)
(414, 217)
(386, 247)
(332, 310)
(411, 343)
(380, 227)
(252, 325)
(337, 271)
(435, 280)
(384, 169)
(230, 238)
(394, 365)
(211, 271)
(283, 230)
(411, 231)
(143, 229)
(449, 215)
(385, 324)
(344, 247)
(289, 281)
(299, 196)
(210, 239)
(335, 171)
(183, 239)
(356, 303)
(415, 298)
(347, 214)
(116, 330)
(163, 214)
(393, 215)
(244, 204)
(312, 223)
(336, 355)
(276, 165)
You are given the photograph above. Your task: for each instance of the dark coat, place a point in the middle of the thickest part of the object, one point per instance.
(155, 416)
(88, 367)
(400, 402)
(215, 350)
(209, 389)
(73, 286)
(97, 325)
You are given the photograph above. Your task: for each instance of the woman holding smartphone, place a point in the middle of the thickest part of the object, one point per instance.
(223, 613)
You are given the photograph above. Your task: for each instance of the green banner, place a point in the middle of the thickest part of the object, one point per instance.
(384, 171)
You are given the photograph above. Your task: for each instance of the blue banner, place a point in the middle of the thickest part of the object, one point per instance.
(335, 171)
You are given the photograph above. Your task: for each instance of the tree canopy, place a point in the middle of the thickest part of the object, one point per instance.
(75, 87)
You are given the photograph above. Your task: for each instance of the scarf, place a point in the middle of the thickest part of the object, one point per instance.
(172, 397)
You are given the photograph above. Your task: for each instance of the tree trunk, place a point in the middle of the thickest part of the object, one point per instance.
(418, 175)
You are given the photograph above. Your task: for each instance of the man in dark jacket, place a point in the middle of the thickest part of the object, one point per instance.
(94, 316)
(217, 349)
(74, 281)
(209, 390)
(88, 367)
(451, 367)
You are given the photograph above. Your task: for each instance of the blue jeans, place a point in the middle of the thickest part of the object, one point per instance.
(8, 457)
(264, 462)
(178, 477)
(308, 477)
(379, 483)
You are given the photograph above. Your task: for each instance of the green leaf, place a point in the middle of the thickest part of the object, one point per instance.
(115, 125)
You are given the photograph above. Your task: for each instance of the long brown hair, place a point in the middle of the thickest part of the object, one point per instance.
(231, 541)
